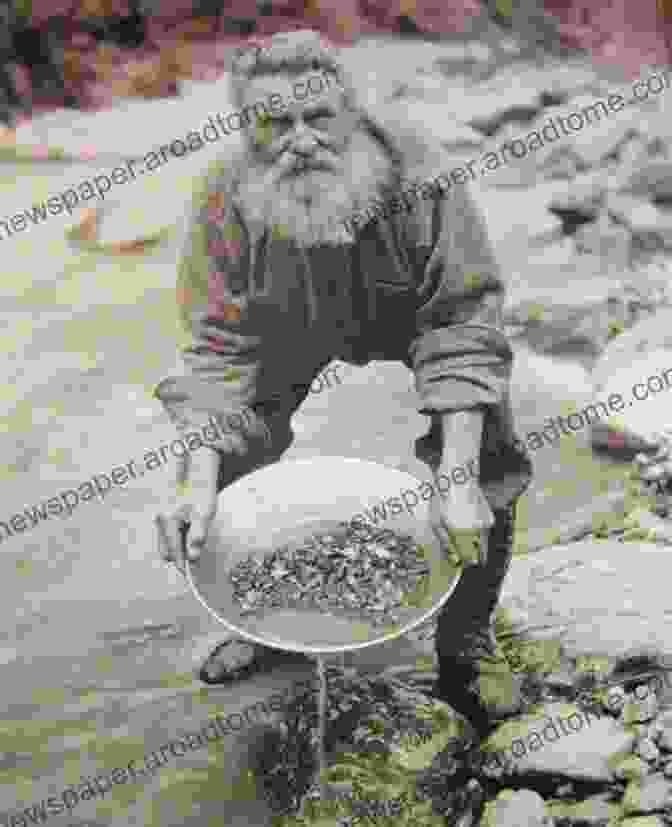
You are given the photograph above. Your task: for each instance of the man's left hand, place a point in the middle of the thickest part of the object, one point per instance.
(461, 520)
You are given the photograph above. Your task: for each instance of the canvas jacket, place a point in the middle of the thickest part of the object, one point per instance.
(420, 285)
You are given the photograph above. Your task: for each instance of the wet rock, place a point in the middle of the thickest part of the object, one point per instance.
(643, 385)
(649, 795)
(513, 809)
(591, 812)
(640, 709)
(637, 213)
(642, 821)
(565, 791)
(596, 596)
(561, 681)
(631, 768)
(665, 741)
(641, 217)
(456, 137)
(500, 101)
(556, 319)
(365, 714)
(602, 133)
(665, 719)
(647, 750)
(583, 193)
(653, 181)
(634, 151)
(655, 731)
(566, 77)
(659, 530)
(606, 239)
(516, 217)
(561, 739)
(615, 700)
(648, 335)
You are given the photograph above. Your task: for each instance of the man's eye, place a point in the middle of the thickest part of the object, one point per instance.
(319, 121)
(281, 124)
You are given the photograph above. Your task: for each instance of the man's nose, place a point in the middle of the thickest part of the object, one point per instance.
(304, 141)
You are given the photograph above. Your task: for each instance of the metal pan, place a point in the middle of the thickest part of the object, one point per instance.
(288, 501)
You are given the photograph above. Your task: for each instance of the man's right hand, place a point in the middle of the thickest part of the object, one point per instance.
(197, 476)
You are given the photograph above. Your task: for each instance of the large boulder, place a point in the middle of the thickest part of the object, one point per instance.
(637, 364)
(600, 596)
(511, 809)
(560, 740)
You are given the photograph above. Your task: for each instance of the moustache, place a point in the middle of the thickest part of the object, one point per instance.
(299, 166)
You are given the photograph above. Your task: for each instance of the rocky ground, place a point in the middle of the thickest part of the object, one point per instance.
(100, 638)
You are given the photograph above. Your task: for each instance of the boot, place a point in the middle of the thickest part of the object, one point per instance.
(474, 676)
(234, 660)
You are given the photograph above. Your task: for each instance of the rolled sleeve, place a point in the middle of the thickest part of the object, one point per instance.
(218, 382)
(221, 364)
(460, 354)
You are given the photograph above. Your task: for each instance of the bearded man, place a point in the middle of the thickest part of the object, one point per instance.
(287, 267)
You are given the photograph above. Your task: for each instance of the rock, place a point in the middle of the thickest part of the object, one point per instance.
(654, 180)
(546, 231)
(516, 217)
(558, 319)
(559, 255)
(355, 702)
(602, 134)
(649, 795)
(604, 597)
(631, 768)
(665, 740)
(655, 731)
(639, 215)
(561, 681)
(634, 151)
(522, 808)
(583, 193)
(605, 239)
(564, 77)
(667, 771)
(660, 530)
(615, 700)
(640, 710)
(507, 96)
(591, 812)
(646, 749)
(648, 335)
(643, 385)
(456, 137)
(524, 744)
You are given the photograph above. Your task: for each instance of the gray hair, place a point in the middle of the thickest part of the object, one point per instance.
(290, 52)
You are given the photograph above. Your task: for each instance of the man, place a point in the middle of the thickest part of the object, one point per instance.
(283, 272)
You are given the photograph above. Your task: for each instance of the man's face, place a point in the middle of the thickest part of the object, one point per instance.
(308, 129)
(311, 165)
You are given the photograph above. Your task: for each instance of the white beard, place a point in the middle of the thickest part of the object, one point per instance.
(312, 208)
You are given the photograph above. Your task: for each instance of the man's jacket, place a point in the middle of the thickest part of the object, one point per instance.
(420, 285)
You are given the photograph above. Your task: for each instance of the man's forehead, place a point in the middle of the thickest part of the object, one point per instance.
(297, 90)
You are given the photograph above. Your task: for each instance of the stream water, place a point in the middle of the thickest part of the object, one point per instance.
(322, 724)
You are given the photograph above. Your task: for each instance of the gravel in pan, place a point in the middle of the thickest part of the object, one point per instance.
(360, 571)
